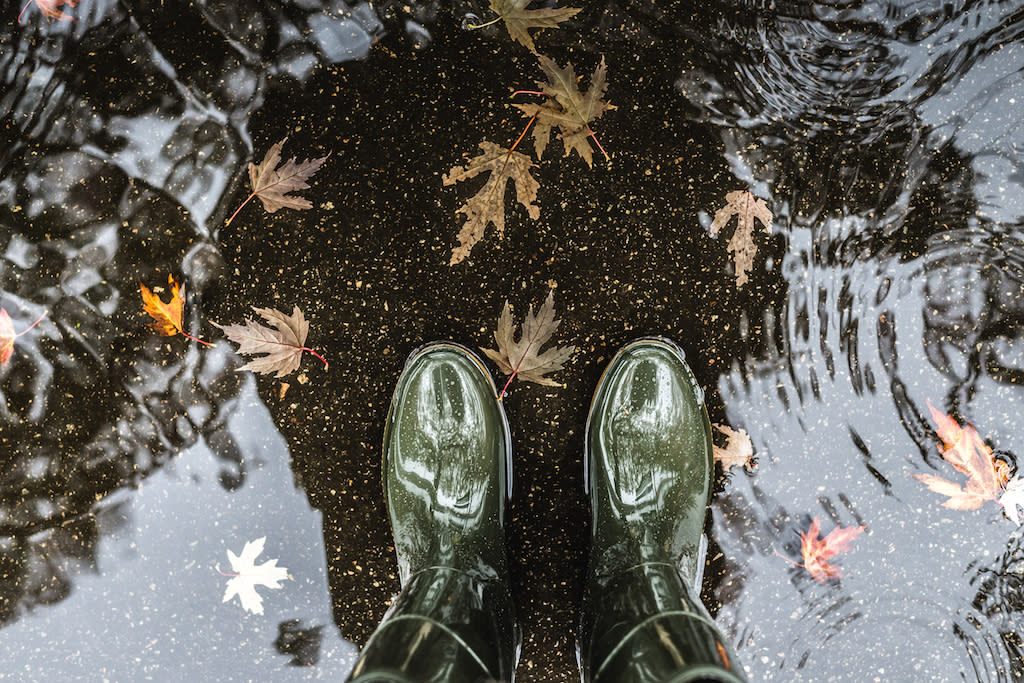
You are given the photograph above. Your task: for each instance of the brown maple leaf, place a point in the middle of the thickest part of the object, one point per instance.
(272, 183)
(488, 205)
(8, 335)
(568, 109)
(283, 344)
(746, 207)
(965, 450)
(816, 552)
(738, 449)
(50, 9)
(167, 316)
(523, 358)
(518, 19)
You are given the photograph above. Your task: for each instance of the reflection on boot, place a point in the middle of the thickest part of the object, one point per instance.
(445, 626)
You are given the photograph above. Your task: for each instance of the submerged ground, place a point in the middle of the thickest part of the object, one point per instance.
(885, 137)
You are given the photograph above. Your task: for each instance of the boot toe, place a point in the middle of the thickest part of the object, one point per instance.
(649, 459)
(446, 453)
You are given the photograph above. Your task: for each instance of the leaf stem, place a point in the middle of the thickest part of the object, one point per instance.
(195, 339)
(520, 138)
(247, 199)
(501, 394)
(598, 143)
(38, 320)
(306, 348)
(225, 573)
(23, 10)
(528, 92)
(471, 27)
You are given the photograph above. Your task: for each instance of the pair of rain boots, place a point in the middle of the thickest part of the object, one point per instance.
(447, 479)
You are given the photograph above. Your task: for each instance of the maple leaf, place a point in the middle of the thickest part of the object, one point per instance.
(816, 552)
(738, 449)
(167, 316)
(568, 109)
(518, 19)
(272, 183)
(1012, 500)
(248, 575)
(965, 450)
(488, 205)
(50, 9)
(523, 357)
(8, 335)
(283, 343)
(746, 207)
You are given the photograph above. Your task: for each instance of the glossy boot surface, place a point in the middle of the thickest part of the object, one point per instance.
(649, 470)
(446, 480)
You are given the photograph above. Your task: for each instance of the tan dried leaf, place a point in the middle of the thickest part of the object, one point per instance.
(518, 19)
(567, 108)
(488, 205)
(746, 207)
(272, 183)
(738, 449)
(283, 343)
(523, 357)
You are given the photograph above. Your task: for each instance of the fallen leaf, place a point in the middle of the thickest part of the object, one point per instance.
(167, 316)
(283, 343)
(518, 19)
(738, 449)
(488, 205)
(568, 109)
(248, 575)
(746, 207)
(272, 183)
(1012, 500)
(50, 10)
(8, 335)
(967, 453)
(816, 552)
(523, 358)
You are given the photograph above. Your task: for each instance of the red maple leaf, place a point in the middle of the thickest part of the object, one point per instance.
(968, 453)
(817, 552)
(50, 9)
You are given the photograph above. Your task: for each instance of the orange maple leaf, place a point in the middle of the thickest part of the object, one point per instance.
(7, 335)
(967, 452)
(167, 316)
(50, 10)
(817, 552)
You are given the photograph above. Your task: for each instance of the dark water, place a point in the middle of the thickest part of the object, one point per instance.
(886, 138)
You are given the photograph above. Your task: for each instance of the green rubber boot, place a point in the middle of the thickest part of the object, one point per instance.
(447, 476)
(649, 470)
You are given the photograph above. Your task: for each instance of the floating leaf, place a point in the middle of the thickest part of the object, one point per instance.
(568, 109)
(488, 205)
(816, 552)
(523, 357)
(283, 343)
(272, 183)
(167, 316)
(518, 19)
(8, 335)
(50, 10)
(965, 450)
(738, 449)
(746, 207)
(247, 575)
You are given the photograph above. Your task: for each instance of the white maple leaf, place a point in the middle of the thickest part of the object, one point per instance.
(1012, 500)
(248, 575)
